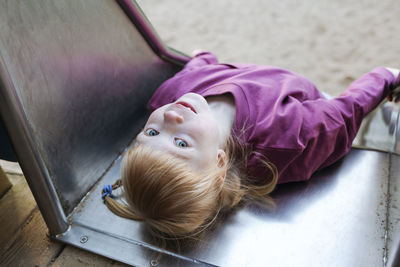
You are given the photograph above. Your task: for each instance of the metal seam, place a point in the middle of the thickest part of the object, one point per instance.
(387, 217)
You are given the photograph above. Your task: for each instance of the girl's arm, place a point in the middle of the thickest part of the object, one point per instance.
(330, 126)
(365, 93)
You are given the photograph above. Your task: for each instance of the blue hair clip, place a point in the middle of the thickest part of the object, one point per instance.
(107, 191)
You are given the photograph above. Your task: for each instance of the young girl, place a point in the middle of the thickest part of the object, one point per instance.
(221, 132)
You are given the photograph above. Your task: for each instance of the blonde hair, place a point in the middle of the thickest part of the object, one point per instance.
(176, 201)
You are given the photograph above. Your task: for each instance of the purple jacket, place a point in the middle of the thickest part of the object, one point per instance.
(281, 114)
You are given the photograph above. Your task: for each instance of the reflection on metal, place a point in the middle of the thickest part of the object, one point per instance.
(136, 15)
(74, 80)
(27, 152)
(381, 129)
(337, 219)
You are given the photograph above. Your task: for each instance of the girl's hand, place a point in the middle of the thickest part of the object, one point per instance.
(394, 94)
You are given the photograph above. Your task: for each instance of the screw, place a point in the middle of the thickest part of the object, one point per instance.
(84, 239)
(154, 263)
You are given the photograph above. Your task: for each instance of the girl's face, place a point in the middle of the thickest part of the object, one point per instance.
(186, 129)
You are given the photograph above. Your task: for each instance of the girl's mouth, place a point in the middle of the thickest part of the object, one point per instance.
(187, 105)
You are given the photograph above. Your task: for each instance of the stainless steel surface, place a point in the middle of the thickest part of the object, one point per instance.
(380, 130)
(74, 80)
(337, 219)
(393, 214)
(76, 76)
(34, 168)
(394, 252)
(136, 15)
(132, 252)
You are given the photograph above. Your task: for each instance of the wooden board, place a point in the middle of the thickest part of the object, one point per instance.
(23, 234)
(16, 206)
(10, 167)
(30, 246)
(75, 257)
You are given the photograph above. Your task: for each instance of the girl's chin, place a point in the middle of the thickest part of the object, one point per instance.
(198, 102)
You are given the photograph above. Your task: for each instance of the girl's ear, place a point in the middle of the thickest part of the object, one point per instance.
(221, 158)
(222, 161)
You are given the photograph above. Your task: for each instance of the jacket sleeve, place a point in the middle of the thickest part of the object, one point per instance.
(330, 126)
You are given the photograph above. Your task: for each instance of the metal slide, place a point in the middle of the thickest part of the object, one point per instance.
(74, 79)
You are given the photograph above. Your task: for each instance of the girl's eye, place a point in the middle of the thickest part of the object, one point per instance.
(151, 132)
(181, 142)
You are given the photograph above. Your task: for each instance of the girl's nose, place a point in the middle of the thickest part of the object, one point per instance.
(172, 116)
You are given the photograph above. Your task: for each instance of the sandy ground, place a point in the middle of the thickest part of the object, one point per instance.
(330, 42)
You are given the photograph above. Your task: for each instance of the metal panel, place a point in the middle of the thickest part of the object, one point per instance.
(79, 72)
(136, 15)
(338, 218)
(392, 226)
(75, 77)
(380, 130)
(34, 168)
(134, 252)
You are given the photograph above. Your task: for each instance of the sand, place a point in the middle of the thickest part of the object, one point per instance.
(330, 42)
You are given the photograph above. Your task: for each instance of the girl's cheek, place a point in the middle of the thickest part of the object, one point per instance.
(208, 128)
(155, 116)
